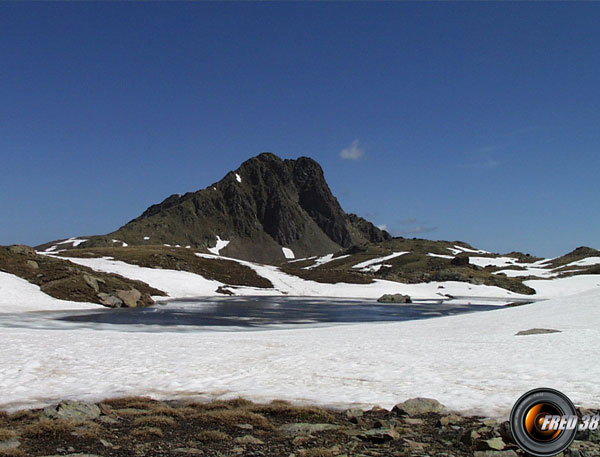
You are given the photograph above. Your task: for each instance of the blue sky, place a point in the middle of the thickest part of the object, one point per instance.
(460, 121)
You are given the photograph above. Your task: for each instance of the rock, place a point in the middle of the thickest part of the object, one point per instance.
(248, 439)
(129, 297)
(224, 291)
(245, 426)
(354, 415)
(451, 419)
(110, 300)
(188, 450)
(33, 264)
(303, 428)
(460, 261)
(493, 444)
(108, 420)
(469, 437)
(418, 405)
(11, 443)
(70, 409)
(379, 435)
(413, 421)
(537, 331)
(21, 249)
(93, 282)
(414, 445)
(394, 298)
(495, 454)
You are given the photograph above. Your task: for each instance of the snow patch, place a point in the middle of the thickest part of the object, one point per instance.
(146, 238)
(368, 263)
(441, 256)
(220, 245)
(288, 253)
(75, 242)
(18, 295)
(238, 178)
(325, 259)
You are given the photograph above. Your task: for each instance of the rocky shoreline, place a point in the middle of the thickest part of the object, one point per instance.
(145, 427)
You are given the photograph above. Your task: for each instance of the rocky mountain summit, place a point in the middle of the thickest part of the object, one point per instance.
(265, 205)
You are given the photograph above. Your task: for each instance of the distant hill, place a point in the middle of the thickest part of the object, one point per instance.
(265, 205)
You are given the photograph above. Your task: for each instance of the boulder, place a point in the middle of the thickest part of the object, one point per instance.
(129, 297)
(394, 298)
(33, 264)
(110, 300)
(379, 435)
(69, 409)
(493, 444)
(461, 261)
(536, 331)
(418, 405)
(92, 282)
(21, 249)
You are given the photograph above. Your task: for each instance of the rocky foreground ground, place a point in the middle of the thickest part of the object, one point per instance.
(138, 426)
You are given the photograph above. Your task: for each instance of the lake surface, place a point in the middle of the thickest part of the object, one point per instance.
(242, 313)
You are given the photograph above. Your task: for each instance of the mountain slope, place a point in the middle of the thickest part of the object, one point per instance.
(266, 204)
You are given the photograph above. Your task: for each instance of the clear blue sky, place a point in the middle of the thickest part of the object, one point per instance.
(461, 121)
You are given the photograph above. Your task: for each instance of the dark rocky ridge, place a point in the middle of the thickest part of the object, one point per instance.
(277, 203)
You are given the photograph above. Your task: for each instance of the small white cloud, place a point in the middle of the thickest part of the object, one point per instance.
(382, 227)
(354, 152)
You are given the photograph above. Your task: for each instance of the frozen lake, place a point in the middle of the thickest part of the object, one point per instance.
(243, 313)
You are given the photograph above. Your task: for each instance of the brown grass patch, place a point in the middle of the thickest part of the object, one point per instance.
(231, 417)
(147, 433)
(154, 420)
(211, 436)
(6, 434)
(131, 402)
(131, 412)
(45, 427)
(16, 452)
(22, 414)
(89, 431)
(305, 413)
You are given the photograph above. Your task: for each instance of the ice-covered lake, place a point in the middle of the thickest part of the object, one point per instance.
(243, 313)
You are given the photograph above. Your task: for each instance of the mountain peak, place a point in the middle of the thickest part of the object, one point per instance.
(266, 204)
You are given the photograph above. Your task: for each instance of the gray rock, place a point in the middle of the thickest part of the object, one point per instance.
(380, 435)
(188, 450)
(129, 297)
(303, 428)
(248, 439)
(69, 409)
(495, 454)
(11, 443)
(416, 406)
(33, 264)
(493, 444)
(110, 300)
(92, 282)
(536, 331)
(394, 298)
